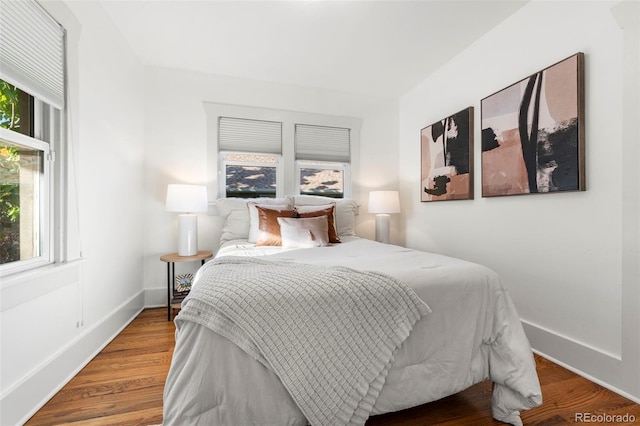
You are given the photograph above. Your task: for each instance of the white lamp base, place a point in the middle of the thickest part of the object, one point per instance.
(187, 234)
(382, 228)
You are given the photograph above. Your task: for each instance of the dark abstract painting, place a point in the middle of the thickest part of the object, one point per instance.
(533, 133)
(447, 158)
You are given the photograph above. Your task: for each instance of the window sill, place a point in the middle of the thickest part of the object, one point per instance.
(22, 287)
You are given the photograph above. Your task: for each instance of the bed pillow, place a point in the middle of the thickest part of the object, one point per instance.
(253, 216)
(326, 210)
(236, 215)
(268, 226)
(346, 211)
(236, 218)
(304, 233)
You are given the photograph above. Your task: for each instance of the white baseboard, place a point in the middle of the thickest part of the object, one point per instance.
(155, 297)
(591, 363)
(589, 377)
(26, 398)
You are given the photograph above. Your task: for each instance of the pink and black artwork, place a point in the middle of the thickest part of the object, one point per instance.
(447, 158)
(533, 133)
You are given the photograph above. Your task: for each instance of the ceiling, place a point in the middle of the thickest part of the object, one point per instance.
(377, 48)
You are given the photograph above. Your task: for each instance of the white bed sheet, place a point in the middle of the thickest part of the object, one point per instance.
(473, 334)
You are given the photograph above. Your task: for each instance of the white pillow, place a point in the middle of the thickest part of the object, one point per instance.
(304, 233)
(236, 218)
(346, 211)
(236, 214)
(254, 222)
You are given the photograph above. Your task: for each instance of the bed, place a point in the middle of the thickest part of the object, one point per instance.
(461, 328)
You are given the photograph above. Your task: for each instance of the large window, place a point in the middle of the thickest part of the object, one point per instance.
(32, 96)
(24, 181)
(282, 153)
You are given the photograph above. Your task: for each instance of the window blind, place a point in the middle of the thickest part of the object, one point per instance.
(321, 143)
(32, 51)
(243, 135)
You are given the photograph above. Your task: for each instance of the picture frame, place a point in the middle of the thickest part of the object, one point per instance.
(182, 285)
(533, 133)
(446, 158)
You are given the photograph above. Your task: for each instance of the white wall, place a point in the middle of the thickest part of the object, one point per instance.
(176, 149)
(55, 320)
(560, 254)
(573, 272)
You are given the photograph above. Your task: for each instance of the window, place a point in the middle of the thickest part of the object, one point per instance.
(323, 155)
(324, 179)
(32, 96)
(272, 153)
(250, 175)
(249, 157)
(24, 182)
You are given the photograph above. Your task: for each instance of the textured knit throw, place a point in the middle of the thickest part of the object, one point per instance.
(329, 333)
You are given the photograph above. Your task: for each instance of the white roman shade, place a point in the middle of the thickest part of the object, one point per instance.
(32, 51)
(243, 135)
(321, 143)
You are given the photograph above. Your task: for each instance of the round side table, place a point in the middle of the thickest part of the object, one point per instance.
(173, 300)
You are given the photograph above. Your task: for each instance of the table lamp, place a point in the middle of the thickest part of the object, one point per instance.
(187, 200)
(382, 204)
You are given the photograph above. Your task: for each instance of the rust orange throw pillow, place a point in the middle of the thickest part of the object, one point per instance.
(268, 226)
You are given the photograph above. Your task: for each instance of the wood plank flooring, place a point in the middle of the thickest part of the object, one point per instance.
(123, 385)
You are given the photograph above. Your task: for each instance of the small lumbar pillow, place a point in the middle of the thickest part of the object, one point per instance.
(304, 233)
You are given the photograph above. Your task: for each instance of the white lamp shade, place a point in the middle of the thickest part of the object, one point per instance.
(384, 202)
(186, 198)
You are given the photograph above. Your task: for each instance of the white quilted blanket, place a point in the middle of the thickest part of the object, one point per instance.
(329, 333)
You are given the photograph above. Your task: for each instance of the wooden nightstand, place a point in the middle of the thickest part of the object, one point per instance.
(174, 299)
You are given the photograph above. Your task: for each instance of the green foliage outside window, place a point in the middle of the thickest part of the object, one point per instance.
(9, 176)
(9, 106)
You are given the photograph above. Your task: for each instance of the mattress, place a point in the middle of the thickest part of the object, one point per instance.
(472, 334)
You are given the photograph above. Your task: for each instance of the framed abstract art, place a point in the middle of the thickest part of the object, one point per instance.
(446, 151)
(533, 133)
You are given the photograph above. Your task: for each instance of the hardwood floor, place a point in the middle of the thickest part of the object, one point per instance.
(123, 386)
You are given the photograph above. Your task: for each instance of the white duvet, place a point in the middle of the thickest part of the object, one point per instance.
(473, 334)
